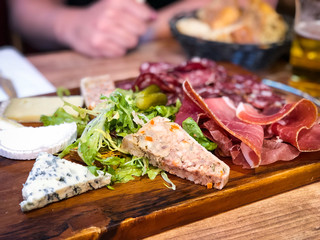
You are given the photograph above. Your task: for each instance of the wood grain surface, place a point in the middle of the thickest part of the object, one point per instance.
(291, 215)
(256, 204)
(142, 207)
(67, 68)
(121, 213)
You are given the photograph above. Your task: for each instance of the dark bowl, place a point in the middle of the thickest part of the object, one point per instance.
(250, 56)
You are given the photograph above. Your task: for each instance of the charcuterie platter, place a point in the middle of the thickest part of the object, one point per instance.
(143, 207)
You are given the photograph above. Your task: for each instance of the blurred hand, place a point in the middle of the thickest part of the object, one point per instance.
(273, 3)
(106, 29)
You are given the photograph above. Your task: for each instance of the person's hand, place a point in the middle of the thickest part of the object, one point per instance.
(272, 3)
(106, 29)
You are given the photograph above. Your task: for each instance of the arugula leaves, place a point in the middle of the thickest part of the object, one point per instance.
(163, 111)
(100, 139)
(61, 116)
(192, 128)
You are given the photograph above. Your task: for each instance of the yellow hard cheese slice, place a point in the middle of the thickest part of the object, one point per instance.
(30, 109)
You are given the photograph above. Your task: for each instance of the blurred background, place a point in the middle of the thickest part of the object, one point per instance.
(9, 37)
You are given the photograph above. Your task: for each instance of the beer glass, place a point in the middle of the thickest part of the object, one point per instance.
(305, 49)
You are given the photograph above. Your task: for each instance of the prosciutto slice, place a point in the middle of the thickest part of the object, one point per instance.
(248, 114)
(295, 123)
(274, 150)
(247, 120)
(219, 136)
(223, 113)
(189, 108)
(251, 136)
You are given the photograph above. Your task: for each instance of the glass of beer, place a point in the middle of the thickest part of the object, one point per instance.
(305, 50)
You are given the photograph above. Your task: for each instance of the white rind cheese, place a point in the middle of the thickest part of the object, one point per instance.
(6, 123)
(53, 179)
(27, 142)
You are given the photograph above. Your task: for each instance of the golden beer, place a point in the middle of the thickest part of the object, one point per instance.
(305, 57)
(305, 51)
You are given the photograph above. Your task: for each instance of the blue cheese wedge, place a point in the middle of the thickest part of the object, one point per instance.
(53, 179)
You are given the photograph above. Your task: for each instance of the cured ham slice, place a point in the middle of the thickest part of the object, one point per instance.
(309, 139)
(251, 136)
(189, 108)
(223, 113)
(166, 83)
(248, 114)
(274, 150)
(305, 138)
(247, 120)
(239, 132)
(219, 136)
(295, 123)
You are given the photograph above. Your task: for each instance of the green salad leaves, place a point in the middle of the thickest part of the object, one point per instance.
(100, 139)
(192, 128)
(101, 130)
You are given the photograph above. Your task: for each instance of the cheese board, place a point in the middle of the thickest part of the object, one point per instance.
(142, 207)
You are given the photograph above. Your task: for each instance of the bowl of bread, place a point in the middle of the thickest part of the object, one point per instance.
(252, 35)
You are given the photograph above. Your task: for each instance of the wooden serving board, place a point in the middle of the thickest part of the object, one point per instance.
(141, 207)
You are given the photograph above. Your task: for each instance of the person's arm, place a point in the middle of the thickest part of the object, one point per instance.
(35, 20)
(107, 28)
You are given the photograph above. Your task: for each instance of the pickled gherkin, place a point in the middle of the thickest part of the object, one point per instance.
(150, 96)
(148, 90)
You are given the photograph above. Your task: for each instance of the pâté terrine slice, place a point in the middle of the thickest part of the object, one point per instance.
(171, 148)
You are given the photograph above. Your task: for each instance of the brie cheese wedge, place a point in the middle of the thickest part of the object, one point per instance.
(27, 142)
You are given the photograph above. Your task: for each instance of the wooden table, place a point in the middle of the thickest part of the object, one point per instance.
(290, 215)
